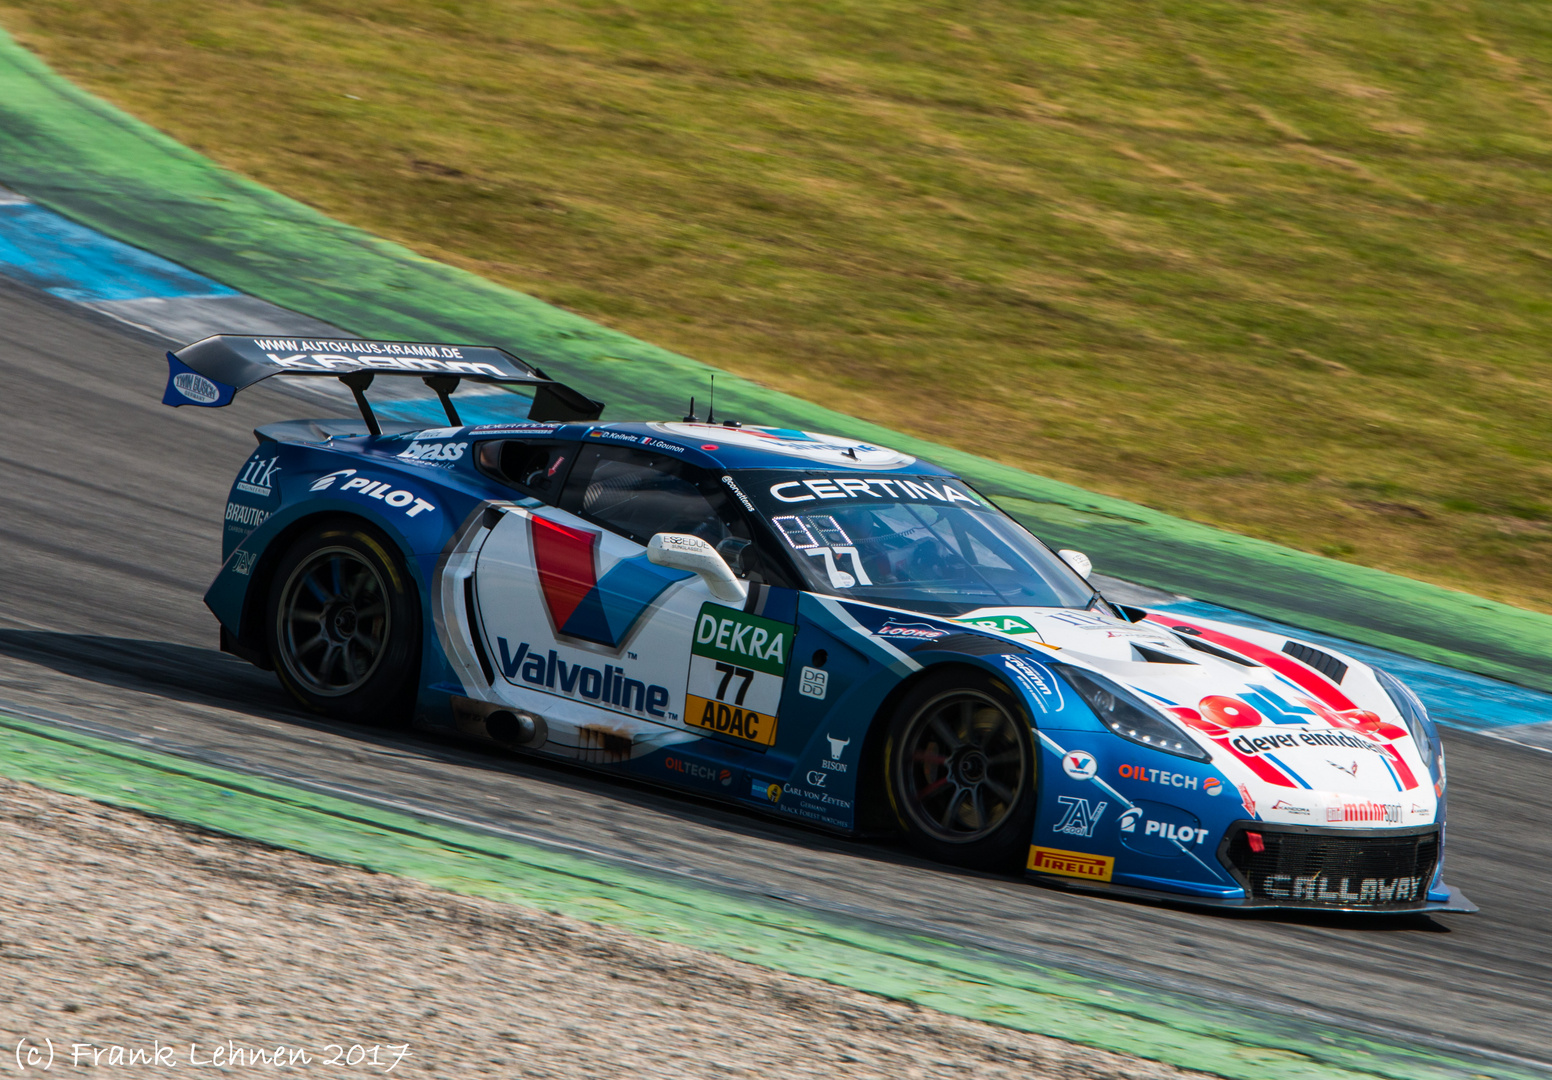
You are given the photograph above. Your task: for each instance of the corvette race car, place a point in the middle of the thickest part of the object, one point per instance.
(809, 626)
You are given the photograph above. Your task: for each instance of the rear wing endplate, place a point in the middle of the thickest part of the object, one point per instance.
(211, 372)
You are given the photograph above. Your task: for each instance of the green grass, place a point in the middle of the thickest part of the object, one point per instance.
(1280, 266)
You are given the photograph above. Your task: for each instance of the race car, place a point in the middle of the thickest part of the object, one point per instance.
(808, 626)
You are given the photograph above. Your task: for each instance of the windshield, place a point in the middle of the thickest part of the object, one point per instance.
(927, 543)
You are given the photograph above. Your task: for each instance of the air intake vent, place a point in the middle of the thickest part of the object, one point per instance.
(1158, 656)
(1323, 662)
(1212, 650)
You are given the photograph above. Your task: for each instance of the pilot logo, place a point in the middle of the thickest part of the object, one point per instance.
(258, 477)
(1080, 765)
(325, 482)
(1079, 819)
(581, 603)
(1128, 821)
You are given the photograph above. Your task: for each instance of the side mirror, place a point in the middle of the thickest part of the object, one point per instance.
(680, 551)
(1078, 561)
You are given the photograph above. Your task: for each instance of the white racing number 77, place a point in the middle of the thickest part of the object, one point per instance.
(839, 578)
(800, 534)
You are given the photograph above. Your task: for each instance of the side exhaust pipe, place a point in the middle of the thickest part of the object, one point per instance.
(516, 729)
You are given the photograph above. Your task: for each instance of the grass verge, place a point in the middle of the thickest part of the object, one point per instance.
(1277, 267)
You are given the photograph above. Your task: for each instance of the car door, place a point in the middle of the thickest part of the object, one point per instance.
(580, 626)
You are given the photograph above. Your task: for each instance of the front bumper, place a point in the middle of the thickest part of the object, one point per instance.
(1310, 868)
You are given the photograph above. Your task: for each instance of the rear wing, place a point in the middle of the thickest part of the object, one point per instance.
(212, 371)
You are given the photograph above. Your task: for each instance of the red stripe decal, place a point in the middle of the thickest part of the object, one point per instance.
(1281, 663)
(1408, 781)
(564, 558)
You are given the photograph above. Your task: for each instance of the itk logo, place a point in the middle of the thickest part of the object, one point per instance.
(1079, 818)
(1080, 765)
(258, 477)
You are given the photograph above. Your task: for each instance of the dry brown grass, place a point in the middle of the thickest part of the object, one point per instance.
(1277, 266)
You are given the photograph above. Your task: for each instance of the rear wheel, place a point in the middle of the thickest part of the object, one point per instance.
(960, 768)
(343, 625)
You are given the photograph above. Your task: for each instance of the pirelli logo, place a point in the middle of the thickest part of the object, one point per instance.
(1046, 860)
(728, 719)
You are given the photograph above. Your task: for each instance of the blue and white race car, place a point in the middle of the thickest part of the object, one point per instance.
(809, 626)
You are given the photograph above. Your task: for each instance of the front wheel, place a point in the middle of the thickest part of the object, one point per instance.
(960, 767)
(343, 625)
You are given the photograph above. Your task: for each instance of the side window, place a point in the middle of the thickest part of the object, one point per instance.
(534, 468)
(637, 493)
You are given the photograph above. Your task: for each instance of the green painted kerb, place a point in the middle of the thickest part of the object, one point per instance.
(91, 162)
(937, 974)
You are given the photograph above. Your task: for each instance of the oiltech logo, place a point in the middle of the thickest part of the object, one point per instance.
(582, 604)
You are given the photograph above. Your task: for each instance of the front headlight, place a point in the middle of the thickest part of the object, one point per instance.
(1126, 714)
(1412, 711)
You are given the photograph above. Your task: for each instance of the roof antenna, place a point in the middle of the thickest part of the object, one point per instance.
(711, 406)
(691, 418)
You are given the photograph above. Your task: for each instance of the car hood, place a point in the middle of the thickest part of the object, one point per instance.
(1305, 736)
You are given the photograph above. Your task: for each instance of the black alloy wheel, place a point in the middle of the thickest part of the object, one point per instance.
(960, 765)
(344, 625)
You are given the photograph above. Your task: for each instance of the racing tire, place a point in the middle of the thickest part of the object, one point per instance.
(342, 625)
(960, 769)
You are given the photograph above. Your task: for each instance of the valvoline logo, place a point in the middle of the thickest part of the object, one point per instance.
(583, 605)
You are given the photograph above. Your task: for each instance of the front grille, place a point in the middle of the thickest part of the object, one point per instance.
(1302, 866)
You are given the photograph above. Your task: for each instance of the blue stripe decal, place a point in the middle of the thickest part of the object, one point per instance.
(1394, 779)
(1275, 760)
(1456, 698)
(72, 262)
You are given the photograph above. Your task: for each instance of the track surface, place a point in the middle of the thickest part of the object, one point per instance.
(110, 514)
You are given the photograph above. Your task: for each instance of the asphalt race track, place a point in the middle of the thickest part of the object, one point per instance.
(110, 518)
